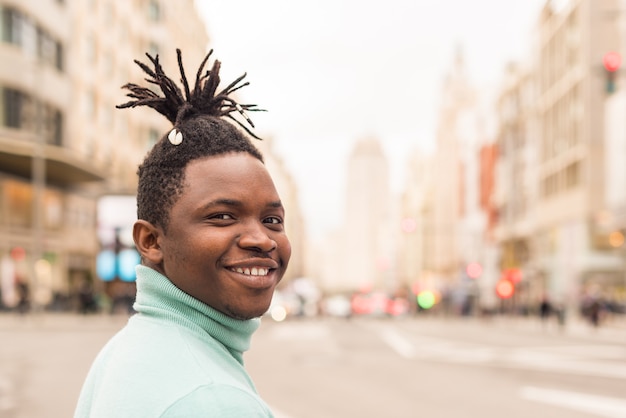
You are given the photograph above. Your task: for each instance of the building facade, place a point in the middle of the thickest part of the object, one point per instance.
(359, 255)
(516, 181)
(571, 250)
(442, 221)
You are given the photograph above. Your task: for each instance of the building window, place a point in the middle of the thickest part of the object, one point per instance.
(550, 185)
(21, 111)
(11, 26)
(12, 105)
(60, 56)
(46, 48)
(18, 30)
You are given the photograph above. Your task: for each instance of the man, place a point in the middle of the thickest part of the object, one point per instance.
(210, 232)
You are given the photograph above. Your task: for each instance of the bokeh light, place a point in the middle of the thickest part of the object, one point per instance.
(426, 299)
(505, 289)
(278, 313)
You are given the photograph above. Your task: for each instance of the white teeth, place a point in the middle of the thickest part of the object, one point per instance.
(254, 271)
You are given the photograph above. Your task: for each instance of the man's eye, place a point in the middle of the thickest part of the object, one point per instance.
(273, 220)
(222, 216)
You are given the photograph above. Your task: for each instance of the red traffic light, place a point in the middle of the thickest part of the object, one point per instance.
(474, 270)
(505, 289)
(514, 275)
(18, 253)
(612, 61)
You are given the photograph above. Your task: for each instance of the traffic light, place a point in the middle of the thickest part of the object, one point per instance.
(426, 299)
(505, 289)
(514, 275)
(18, 253)
(474, 270)
(611, 62)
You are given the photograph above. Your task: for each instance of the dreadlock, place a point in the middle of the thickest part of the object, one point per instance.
(203, 119)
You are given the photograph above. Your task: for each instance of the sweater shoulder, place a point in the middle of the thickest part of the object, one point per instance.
(220, 400)
(151, 365)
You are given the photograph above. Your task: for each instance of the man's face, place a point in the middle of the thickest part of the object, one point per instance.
(226, 243)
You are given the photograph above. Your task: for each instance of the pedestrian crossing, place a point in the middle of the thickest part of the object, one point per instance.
(575, 357)
(599, 360)
(601, 406)
(7, 397)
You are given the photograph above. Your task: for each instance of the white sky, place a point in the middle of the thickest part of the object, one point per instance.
(330, 72)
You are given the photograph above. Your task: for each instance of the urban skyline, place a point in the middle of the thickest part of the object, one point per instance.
(331, 73)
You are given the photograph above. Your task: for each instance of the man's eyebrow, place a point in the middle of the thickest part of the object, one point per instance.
(237, 203)
(225, 202)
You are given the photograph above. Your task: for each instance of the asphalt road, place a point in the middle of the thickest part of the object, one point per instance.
(412, 367)
(440, 368)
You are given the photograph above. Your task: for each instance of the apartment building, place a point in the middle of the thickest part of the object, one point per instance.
(443, 217)
(516, 181)
(359, 254)
(553, 188)
(570, 249)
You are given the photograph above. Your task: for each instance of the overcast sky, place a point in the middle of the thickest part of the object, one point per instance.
(330, 72)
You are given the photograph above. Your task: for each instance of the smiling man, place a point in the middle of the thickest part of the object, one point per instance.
(210, 232)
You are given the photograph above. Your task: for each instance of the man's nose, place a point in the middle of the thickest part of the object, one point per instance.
(255, 237)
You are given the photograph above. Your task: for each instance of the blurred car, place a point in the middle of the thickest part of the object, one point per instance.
(337, 306)
(378, 304)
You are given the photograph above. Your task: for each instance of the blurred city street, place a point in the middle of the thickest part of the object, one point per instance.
(359, 367)
(453, 183)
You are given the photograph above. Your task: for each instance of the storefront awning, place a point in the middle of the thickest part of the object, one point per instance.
(62, 167)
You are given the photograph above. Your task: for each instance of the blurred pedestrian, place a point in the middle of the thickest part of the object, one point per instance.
(86, 300)
(545, 308)
(23, 294)
(595, 311)
(210, 232)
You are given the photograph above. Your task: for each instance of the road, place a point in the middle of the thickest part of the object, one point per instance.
(440, 368)
(363, 367)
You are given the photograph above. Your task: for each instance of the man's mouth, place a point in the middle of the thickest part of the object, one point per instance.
(251, 271)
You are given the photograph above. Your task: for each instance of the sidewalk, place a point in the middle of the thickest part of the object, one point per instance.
(612, 330)
(61, 321)
(44, 358)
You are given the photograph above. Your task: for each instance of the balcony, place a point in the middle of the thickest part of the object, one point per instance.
(63, 167)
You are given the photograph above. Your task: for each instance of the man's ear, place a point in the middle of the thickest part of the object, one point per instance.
(147, 238)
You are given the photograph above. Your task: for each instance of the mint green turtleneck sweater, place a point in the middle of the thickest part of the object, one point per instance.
(177, 357)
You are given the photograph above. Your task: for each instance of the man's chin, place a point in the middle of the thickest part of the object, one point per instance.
(246, 315)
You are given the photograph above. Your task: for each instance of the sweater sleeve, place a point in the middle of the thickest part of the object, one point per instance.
(219, 401)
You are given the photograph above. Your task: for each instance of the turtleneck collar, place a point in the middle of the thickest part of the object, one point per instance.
(158, 297)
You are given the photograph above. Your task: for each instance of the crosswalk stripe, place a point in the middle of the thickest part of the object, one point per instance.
(427, 348)
(397, 342)
(7, 400)
(603, 406)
